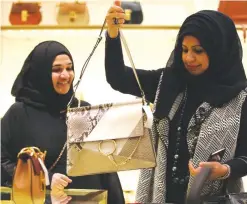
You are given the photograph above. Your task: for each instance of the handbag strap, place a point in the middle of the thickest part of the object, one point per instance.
(132, 65)
(59, 157)
(91, 54)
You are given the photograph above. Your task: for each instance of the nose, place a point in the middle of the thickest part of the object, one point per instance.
(64, 74)
(190, 57)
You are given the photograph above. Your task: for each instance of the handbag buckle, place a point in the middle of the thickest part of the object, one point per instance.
(24, 15)
(72, 16)
(127, 14)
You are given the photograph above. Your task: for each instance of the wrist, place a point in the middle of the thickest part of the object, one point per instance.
(227, 171)
(113, 33)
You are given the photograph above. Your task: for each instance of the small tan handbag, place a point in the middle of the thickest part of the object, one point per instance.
(73, 13)
(29, 182)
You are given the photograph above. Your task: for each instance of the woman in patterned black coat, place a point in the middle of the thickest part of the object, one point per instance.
(42, 90)
(199, 105)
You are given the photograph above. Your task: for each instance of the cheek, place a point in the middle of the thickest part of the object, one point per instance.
(205, 62)
(72, 76)
(54, 78)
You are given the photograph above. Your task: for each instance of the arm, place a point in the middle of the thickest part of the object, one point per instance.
(122, 78)
(238, 165)
(8, 160)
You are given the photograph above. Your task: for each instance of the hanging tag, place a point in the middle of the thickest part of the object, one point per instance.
(47, 181)
(148, 111)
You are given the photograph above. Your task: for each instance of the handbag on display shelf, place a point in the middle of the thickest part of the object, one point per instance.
(30, 177)
(237, 11)
(73, 13)
(109, 137)
(133, 12)
(25, 13)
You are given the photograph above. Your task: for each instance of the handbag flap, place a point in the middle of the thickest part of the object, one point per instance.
(237, 10)
(26, 154)
(105, 122)
(77, 7)
(30, 7)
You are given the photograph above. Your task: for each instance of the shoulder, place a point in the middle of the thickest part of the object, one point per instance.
(15, 112)
(75, 103)
(17, 107)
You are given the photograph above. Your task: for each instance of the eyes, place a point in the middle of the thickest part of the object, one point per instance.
(59, 69)
(198, 50)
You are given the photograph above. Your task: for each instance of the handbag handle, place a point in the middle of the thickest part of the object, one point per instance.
(91, 54)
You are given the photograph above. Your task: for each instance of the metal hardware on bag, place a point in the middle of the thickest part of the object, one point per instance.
(28, 150)
(24, 15)
(114, 147)
(72, 16)
(127, 14)
(110, 155)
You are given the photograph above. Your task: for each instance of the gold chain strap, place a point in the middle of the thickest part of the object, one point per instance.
(110, 155)
(59, 157)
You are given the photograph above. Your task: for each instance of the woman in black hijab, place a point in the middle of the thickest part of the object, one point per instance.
(42, 90)
(199, 106)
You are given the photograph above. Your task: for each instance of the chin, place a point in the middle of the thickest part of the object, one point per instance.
(62, 92)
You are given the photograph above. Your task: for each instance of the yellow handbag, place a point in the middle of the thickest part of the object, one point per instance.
(73, 13)
(29, 181)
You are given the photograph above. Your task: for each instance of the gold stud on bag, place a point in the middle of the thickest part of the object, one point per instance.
(30, 177)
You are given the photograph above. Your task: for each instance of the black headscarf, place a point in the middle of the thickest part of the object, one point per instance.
(224, 78)
(33, 84)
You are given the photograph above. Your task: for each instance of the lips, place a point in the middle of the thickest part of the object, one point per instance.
(192, 67)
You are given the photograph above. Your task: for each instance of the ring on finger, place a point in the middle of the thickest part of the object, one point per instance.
(115, 21)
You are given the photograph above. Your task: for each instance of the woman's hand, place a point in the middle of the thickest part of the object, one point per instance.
(59, 197)
(115, 12)
(218, 169)
(59, 181)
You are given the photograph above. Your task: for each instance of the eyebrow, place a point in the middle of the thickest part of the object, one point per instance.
(58, 65)
(193, 46)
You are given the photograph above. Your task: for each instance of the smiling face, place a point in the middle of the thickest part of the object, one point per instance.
(62, 74)
(195, 58)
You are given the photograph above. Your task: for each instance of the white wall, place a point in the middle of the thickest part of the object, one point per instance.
(150, 48)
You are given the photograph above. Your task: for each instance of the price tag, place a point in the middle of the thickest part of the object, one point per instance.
(47, 182)
(148, 111)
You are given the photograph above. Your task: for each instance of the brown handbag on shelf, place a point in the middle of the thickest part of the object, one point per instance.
(73, 13)
(25, 13)
(30, 177)
(237, 11)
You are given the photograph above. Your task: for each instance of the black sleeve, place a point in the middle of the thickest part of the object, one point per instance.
(112, 184)
(238, 165)
(122, 78)
(9, 127)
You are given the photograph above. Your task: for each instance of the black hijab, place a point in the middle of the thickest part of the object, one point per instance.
(33, 84)
(224, 78)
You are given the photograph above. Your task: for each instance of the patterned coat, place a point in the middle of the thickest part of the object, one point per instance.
(220, 129)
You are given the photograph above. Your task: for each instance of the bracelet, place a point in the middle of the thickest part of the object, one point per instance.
(227, 174)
